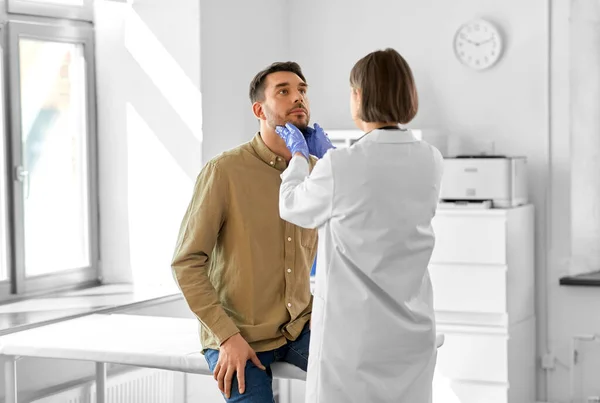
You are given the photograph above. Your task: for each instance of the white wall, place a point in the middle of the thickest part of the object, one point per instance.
(573, 310)
(150, 133)
(150, 120)
(239, 38)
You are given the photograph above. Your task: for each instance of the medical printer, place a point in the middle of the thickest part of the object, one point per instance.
(490, 181)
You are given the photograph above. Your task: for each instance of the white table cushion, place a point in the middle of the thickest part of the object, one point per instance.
(144, 341)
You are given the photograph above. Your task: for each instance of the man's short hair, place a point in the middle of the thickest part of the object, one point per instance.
(257, 86)
(388, 88)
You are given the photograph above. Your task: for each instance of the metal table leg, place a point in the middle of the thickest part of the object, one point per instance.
(10, 379)
(285, 391)
(100, 383)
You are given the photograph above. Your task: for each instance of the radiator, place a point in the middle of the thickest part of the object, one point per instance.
(137, 386)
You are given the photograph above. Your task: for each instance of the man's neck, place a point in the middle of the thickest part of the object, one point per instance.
(275, 143)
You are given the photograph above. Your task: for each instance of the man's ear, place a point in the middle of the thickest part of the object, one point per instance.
(258, 111)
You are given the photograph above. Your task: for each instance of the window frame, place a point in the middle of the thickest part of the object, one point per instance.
(6, 285)
(84, 12)
(83, 35)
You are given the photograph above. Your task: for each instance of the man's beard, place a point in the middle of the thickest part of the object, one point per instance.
(275, 121)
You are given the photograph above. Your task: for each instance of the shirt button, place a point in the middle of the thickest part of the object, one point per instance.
(289, 239)
(289, 270)
(289, 304)
(271, 162)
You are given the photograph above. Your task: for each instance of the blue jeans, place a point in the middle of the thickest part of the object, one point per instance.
(259, 383)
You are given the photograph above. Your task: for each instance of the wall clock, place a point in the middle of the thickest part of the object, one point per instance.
(478, 44)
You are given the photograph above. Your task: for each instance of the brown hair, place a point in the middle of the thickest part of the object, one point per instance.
(388, 88)
(257, 86)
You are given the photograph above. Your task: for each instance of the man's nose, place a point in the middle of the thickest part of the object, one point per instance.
(299, 97)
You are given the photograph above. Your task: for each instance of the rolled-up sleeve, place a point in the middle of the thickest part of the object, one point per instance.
(198, 235)
(306, 199)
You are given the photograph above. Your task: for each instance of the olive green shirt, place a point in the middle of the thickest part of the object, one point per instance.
(240, 267)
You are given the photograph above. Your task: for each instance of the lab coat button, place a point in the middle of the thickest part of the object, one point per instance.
(289, 304)
(289, 239)
(289, 270)
(271, 162)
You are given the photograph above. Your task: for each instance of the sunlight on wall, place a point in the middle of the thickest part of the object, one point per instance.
(150, 134)
(165, 72)
(159, 191)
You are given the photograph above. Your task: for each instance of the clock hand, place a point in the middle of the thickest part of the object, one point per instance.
(486, 41)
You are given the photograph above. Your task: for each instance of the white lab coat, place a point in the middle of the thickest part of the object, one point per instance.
(373, 326)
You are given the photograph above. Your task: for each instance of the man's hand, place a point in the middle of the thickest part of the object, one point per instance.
(233, 355)
(294, 139)
(318, 141)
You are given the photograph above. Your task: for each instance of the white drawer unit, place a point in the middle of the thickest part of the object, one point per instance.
(462, 238)
(468, 392)
(482, 271)
(470, 288)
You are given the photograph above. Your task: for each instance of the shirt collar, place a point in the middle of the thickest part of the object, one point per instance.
(265, 153)
(390, 136)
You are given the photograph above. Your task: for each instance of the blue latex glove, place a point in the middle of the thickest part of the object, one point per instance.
(294, 139)
(318, 142)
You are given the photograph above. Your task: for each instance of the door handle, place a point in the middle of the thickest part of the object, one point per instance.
(22, 175)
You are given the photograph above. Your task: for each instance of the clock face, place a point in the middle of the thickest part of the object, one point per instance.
(478, 44)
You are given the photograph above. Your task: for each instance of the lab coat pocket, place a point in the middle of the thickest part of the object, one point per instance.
(308, 238)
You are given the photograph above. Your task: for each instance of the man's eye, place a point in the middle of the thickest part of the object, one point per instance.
(283, 92)
(302, 92)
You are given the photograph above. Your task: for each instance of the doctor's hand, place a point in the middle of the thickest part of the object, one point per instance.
(233, 355)
(318, 142)
(294, 139)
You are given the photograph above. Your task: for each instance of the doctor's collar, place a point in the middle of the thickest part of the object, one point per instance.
(382, 128)
(391, 135)
(390, 127)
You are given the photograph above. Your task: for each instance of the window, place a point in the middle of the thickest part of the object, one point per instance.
(53, 156)
(72, 9)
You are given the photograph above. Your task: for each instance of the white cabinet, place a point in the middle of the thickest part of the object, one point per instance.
(482, 270)
(344, 138)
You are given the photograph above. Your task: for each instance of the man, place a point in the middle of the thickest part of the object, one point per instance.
(243, 271)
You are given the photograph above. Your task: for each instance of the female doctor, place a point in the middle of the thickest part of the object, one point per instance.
(373, 328)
